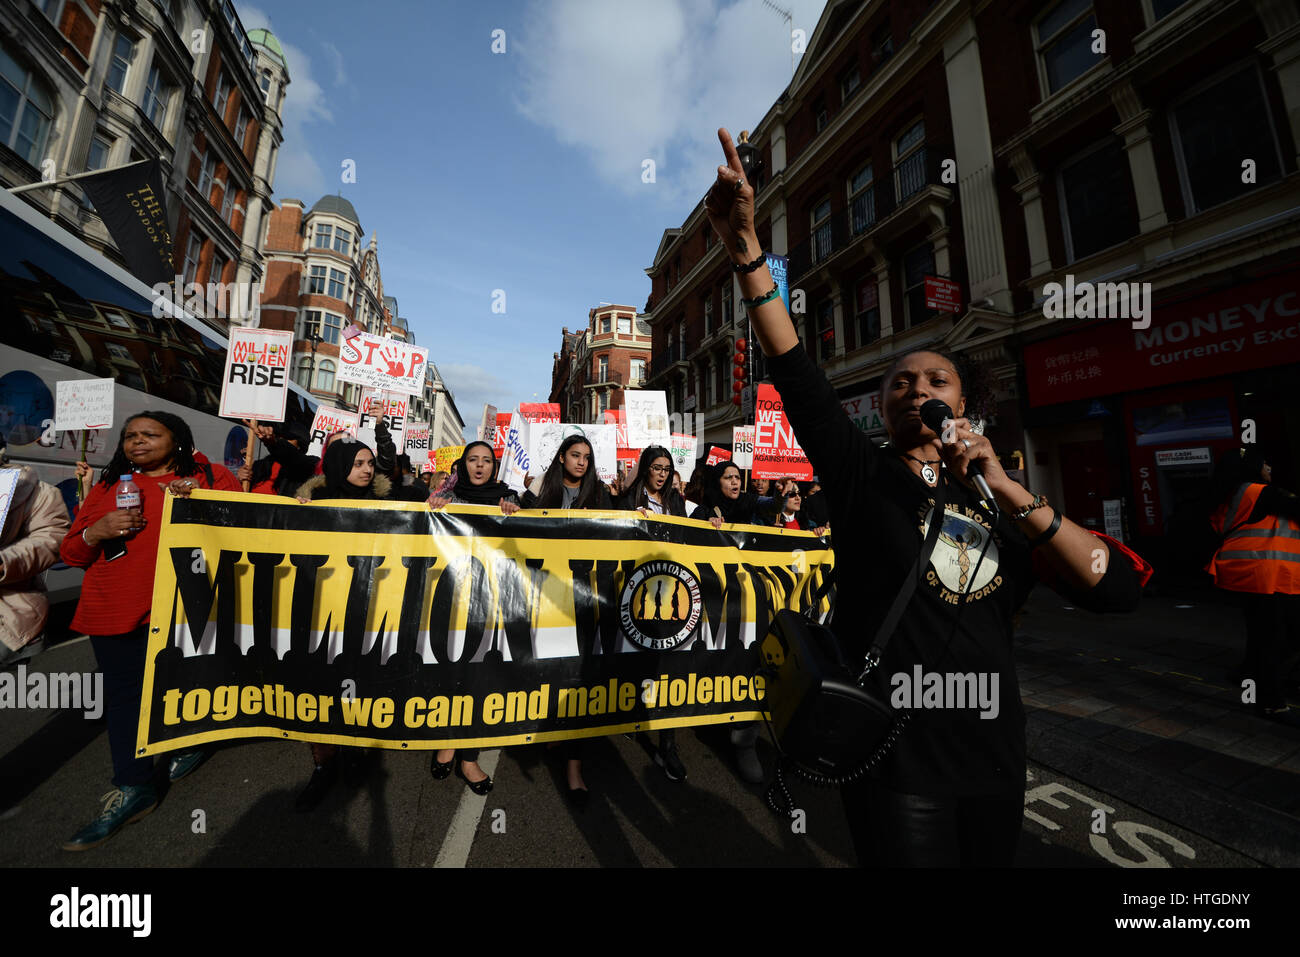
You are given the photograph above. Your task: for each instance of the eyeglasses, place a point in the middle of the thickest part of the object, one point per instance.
(661, 469)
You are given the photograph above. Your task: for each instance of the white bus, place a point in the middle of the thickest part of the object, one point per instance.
(67, 312)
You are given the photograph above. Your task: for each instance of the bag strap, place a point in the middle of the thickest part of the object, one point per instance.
(888, 626)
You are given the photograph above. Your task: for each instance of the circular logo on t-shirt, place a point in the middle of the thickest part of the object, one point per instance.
(660, 605)
(956, 555)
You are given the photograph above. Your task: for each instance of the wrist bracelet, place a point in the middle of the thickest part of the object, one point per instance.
(84, 538)
(750, 267)
(755, 303)
(1051, 530)
(1038, 502)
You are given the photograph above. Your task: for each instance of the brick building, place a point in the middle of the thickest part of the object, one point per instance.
(88, 84)
(594, 366)
(1004, 146)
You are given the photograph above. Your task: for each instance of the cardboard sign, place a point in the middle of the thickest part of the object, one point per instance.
(682, 448)
(487, 426)
(742, 441)
(417, 443)
(383, 364)
(83, 404)
(256, 381)
(515, 464)
(393, 411)
(327, 422)
(717, 455)
(647, 418)
(499, 439)
(776, 453)
(447, 456)
(545, 440)
(8, 482)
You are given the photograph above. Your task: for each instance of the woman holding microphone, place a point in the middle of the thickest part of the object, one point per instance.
(951, 792)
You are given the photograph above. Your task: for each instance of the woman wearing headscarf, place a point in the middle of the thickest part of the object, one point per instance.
(1259, 562)
(471, 482)
(347, 473)
(570, 482)
(157, 448)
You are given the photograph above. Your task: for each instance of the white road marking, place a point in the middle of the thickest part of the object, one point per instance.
(458, 840)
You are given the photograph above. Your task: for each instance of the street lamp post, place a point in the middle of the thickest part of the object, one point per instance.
(311, 376)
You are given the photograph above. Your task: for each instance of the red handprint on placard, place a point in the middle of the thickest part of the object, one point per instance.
(393, 357)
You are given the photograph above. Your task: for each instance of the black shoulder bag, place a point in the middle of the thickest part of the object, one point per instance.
(830, 725)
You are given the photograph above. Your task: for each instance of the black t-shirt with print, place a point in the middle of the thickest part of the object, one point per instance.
(882, 508)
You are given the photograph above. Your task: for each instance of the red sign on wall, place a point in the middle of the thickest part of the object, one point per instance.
(1250, 326)
(942, 294)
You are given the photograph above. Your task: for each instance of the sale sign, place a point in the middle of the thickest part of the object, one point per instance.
(327, 422)
(776, 453)
(417, 443)
(742, 441)
(717, 455)
(384, 364)
(83, 404)
(392, 409)
(256, 380)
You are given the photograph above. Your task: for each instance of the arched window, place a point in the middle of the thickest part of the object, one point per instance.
(26, 110)
(325, 376)
(303, 371)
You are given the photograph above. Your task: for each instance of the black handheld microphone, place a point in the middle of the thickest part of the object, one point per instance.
(933, 412)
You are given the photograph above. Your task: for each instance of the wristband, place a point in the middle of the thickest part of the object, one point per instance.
(84, 538)
(1051, 530)
(1038, 502)
(750, 267)
(760, 300)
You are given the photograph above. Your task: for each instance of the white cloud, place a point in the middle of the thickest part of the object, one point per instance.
(624, 81)
(336, 59)
(297, 173)
(472, 386)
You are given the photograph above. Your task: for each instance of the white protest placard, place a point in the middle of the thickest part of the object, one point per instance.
(393, 409)
(8, 482)
(544, 441)
(417, 442)
(487, 425)
(83, 404)
(742, 446)
(256, 381)
(384, 364)
(515, 464)
(647, 418)
(682, 448)
(327, 422)
(776, 452)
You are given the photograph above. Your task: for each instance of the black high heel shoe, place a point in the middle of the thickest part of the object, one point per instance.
(439, 770)
(478, 787)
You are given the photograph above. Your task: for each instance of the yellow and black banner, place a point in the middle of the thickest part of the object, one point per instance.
(385, 624)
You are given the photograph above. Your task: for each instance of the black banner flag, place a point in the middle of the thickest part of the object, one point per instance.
(131, 202)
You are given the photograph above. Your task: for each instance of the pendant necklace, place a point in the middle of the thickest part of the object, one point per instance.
(927, 468)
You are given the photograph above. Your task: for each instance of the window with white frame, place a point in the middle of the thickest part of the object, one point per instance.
(849, 82)
(1063, 40)
(820, 117)
(241, 127)
(310, 325)
(302, 371)
(882, 44)
(638, 371)
(1214, 126)
(221, 95)
(606, 324)
(119, 351)
(324, 236)
(193, 248)
(624, 325)
(821, 230)
(909, 160)
(157, 94)
(825, 329)
(325, 376)
(316, 281)
(337, 283)
(917, 264)
(726, 316)
(264, 81)
(100, 148)
(218, 267)
(1096, 196)
(862, 201)
(26, 110)
(228, 201)
(52, 9)
(120, 63)
(342, 240)
(207, 169)
(332, 328)
(866, 307)
(602, 374)
(708, 316)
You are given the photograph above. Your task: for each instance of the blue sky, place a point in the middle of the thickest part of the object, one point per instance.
(519, 171)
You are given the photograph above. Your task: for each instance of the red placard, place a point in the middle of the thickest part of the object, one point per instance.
(942, 294)
(540, 411)
(717, 455)
(499, 434)
(776, 453)
(1250, 326)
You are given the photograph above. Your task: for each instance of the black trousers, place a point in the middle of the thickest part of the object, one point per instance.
(891, 829)
(1272, 641)
(121, 660)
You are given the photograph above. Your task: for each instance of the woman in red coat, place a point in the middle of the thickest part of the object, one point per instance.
(158, 448)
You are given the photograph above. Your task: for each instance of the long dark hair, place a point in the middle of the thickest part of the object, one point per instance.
(672, 499)
(182, 458)
(552, 493)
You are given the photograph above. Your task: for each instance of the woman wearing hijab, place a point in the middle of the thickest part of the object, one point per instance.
(347, 472)
(471, 482)
(570, 482)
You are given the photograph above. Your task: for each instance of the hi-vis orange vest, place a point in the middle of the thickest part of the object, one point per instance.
(1262, 558)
